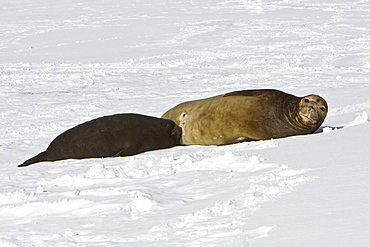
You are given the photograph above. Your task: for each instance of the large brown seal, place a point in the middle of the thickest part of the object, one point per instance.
(247, 115)
(111, 136)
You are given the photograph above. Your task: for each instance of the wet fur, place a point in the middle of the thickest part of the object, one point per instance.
(111, 136)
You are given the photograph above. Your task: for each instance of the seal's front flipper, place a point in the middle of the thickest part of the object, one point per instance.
(240, 139)
(128, 151)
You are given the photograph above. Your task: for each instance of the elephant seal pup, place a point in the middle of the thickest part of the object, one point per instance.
(111, 136)
(248, 115)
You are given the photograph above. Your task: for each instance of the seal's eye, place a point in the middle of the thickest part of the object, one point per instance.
(306, 100)
(322, 108)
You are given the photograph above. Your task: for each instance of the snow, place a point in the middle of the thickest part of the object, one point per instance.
(63, 63)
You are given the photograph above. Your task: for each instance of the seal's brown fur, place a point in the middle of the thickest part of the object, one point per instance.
(247, 115)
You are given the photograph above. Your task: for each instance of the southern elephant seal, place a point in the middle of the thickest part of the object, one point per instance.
(111, 136)
(247, 115)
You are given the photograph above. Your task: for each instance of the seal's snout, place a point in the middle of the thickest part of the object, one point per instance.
(177, 132)
(312, 112)
(309, 113)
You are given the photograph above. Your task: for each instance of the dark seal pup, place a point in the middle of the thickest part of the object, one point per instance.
(111, 136)
(246, 116)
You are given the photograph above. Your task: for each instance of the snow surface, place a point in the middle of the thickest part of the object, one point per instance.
(66, 62)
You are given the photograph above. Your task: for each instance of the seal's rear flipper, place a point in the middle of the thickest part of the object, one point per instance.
(38, 158)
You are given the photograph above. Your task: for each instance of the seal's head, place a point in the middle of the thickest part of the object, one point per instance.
(175, 132)
(161, 133)
(312, 110)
